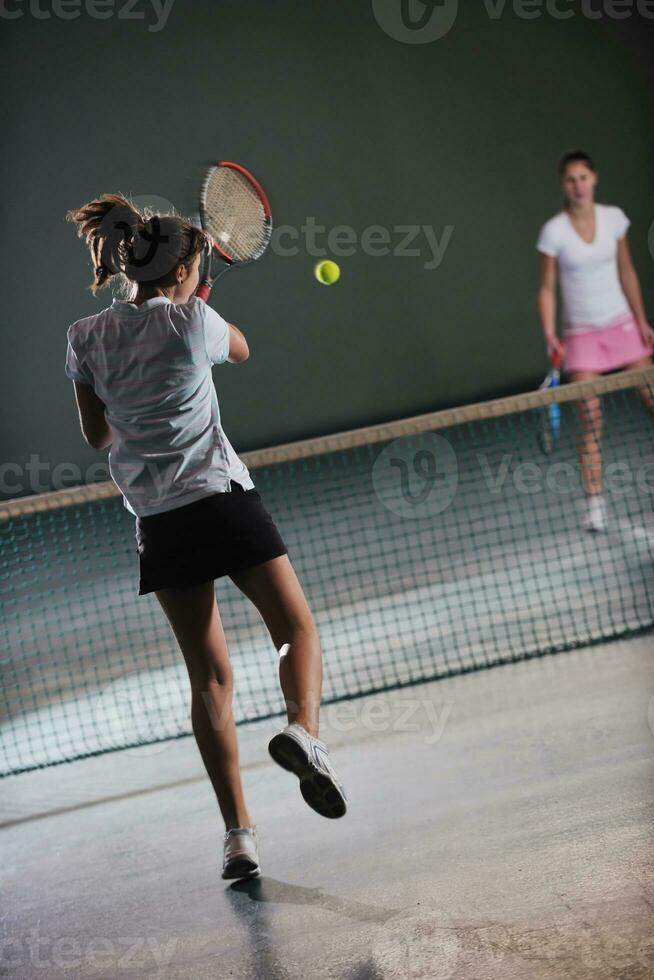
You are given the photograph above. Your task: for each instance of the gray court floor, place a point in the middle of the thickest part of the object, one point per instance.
(500, 826)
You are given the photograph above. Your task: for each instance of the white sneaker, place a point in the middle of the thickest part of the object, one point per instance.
(297, 751)
(241, 859)
(595, 514)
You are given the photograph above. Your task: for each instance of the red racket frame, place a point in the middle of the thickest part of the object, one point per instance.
(205, 288)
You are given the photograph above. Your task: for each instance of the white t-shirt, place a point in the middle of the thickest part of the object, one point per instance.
(590, 285)
(151, 366)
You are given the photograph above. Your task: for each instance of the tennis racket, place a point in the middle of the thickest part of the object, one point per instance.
(235, 211)
(550, 416)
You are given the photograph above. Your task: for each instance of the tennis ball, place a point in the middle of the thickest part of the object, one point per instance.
(327, 272)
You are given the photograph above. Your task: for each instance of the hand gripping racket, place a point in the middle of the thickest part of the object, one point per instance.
(551, 415)
(235, 211)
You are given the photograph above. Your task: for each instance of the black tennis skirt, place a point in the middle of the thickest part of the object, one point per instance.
(211, 537)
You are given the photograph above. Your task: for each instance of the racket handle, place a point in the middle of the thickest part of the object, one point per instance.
(556, 360)
(203, 291)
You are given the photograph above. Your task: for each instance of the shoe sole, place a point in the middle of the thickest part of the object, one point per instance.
(242, 868)
(318, 790)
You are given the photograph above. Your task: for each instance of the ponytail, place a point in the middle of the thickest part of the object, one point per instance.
(144, 249)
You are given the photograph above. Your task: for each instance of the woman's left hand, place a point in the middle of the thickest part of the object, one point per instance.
(647, 333)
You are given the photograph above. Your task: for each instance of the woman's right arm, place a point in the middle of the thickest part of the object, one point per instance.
(238, 346)
(547, 303)
(222, 340)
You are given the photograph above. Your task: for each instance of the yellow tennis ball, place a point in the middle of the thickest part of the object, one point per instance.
(327, 272)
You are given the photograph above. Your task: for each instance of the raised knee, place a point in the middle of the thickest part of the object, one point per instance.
(303, 624)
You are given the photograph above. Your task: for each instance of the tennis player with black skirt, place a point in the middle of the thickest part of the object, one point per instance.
(143, 384)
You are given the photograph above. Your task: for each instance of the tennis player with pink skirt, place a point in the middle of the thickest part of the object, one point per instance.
(604, 323)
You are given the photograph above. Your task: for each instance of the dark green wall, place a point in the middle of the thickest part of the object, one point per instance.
(341, 123)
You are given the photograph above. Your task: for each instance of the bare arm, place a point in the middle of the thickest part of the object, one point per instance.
(631, 287)
(547, 303)
(238, 346)
(93, 422)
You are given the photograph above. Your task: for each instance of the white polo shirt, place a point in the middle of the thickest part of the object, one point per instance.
(151, 366)
(590, 285)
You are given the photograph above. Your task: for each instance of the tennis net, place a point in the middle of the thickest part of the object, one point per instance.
(426, 547)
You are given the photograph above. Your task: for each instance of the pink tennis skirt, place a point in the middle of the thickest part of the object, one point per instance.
(605, 348)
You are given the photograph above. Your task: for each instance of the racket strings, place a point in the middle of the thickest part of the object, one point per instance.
(235, 215)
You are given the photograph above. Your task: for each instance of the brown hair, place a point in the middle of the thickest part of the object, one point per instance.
(145, 248)
(576, 156)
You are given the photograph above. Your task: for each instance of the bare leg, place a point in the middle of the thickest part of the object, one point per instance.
(590, 439)
(195, 620)
(646, 393)
(274, 589)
